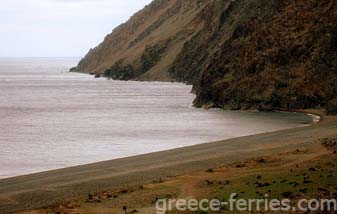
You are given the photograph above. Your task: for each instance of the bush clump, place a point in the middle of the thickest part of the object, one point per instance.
(152, 55)
(120, 72)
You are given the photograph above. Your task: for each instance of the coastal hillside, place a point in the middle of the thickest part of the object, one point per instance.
(146, 46)
(238, 54)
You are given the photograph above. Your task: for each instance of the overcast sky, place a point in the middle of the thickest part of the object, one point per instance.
(59, 28)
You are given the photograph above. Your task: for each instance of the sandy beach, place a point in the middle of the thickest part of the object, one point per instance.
(47, 188)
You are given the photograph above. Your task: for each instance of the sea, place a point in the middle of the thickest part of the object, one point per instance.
(51, 118)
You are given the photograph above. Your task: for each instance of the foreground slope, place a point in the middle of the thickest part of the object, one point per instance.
(238, 54)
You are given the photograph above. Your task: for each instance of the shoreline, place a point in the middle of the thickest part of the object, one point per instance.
(46, 188)
(316, 118)
(320, 113)
(316, 115)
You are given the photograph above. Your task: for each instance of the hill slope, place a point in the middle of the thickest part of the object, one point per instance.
(148, 43)
(238, 54)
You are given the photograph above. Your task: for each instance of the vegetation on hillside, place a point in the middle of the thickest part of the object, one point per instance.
(120, 72)
(286, 59)
(258, 54)
(152, 55)
(123, 71)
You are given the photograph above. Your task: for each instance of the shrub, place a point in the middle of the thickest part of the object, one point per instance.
(120, 72)
(152, 55)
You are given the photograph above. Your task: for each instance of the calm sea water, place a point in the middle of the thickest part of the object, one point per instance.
(50, 118)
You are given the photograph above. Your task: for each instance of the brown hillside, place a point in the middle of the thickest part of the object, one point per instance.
(167, 23)
(238, 54)
(285, 57)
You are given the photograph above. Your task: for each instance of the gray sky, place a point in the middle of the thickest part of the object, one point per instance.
(66, 28)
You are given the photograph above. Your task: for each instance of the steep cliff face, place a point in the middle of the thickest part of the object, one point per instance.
(238, 54)
(148, 42)
(282, 57)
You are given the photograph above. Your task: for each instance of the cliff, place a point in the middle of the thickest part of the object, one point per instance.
(238, 54)
(145, 46)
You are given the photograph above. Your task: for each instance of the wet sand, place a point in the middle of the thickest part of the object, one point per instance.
(44, 189)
